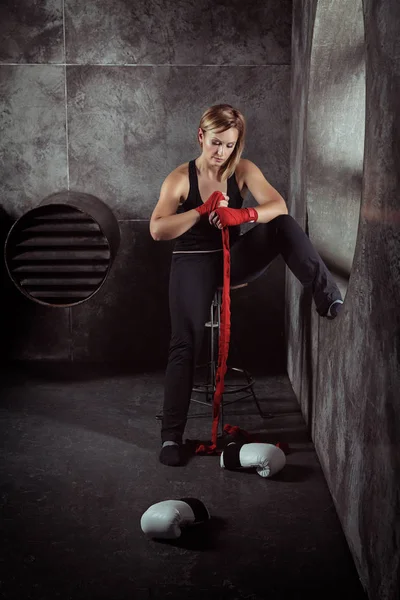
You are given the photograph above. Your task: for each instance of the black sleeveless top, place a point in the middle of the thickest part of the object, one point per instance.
(203, 236)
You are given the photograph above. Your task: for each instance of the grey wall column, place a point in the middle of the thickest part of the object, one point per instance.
(346, 372)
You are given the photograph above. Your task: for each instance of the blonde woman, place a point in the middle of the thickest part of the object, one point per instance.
(186, 211)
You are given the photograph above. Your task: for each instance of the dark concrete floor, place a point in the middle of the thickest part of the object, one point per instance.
(80, 466)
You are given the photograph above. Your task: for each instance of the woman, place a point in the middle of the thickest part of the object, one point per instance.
(186, 210)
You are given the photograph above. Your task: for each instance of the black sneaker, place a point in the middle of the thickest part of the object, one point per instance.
(334, 309)
(171, 455)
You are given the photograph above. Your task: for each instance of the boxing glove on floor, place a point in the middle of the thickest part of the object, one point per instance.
(166, 519)
(266, 458)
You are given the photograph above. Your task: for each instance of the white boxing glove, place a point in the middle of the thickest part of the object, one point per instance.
(266, 458)
(165, 519)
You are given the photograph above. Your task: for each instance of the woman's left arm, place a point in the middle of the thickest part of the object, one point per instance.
(271, 204)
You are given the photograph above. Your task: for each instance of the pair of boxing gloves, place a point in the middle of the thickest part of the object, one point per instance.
(227, 216)
(165, 520)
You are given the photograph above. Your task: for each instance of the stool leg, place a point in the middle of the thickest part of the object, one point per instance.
(221, 416)
(209, 387)
(221, 410)
(248, 377)
(210, 359)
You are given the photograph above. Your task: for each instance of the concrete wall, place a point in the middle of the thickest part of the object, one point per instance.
(335, 134)
(346, 372)
(105, 97)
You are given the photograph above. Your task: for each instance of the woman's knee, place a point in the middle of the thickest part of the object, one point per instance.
(186, 347)
(283, 220)
(181, 345)
(287, 228)
(277, 224)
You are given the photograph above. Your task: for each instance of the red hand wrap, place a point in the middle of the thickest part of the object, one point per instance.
(223, 348)
(228, 216)
(210, 204)
(236, 216)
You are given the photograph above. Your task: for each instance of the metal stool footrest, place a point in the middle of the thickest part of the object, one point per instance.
(229, 388)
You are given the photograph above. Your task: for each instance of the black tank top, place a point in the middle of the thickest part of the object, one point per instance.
(203, 236)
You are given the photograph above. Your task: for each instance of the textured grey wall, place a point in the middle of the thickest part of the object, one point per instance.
(346, 372)
(105, 97)
(335, 134)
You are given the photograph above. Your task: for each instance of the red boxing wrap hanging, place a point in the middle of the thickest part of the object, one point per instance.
(236, 216)
(223, 347)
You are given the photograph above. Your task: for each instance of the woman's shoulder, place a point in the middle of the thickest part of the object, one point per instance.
(244, 166)
(183, 169)
(180, 172)
(179, 179)
(246, 170)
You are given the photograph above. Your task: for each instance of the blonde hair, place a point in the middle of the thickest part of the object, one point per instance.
(221, 117)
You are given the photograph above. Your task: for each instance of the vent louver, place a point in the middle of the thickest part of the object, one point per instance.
(57, 254)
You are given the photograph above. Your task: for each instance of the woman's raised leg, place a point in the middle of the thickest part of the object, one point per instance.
(254, 251)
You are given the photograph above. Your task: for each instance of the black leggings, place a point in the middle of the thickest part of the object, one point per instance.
(193, 282)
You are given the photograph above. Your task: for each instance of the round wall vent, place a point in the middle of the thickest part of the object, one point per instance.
(60, 253)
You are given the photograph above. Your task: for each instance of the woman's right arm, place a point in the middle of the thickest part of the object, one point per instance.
(165, 224)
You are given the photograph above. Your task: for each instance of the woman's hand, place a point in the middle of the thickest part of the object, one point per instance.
(212, 203)
(213, 217)
(230, 217)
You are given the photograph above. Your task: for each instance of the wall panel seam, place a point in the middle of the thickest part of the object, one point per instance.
(64, 64)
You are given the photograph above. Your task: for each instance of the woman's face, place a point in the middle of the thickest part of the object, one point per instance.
(218, 146)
